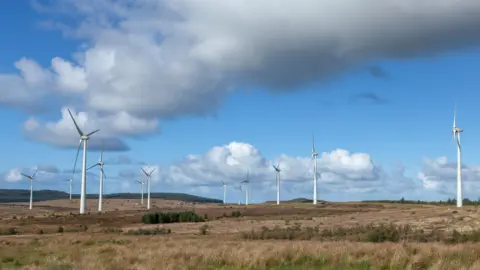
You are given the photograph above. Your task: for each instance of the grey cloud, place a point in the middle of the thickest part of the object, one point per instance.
(127, 174)
(370, 97)
(378, 72)
(202, 49)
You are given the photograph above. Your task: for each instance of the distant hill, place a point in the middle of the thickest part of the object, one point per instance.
(297, 200)
(23, 195)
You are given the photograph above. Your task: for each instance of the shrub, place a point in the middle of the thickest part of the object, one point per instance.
(368, 233)
(155, 231)
(60, 229)
(204, 229)
(171, 217)
(9, 231)
(236, 214)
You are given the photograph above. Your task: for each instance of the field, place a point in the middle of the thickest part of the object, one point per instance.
(264, 236)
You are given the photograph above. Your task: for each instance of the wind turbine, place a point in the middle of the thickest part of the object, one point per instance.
(277, 169)
(30, 178)
(314, 156)
(224, 192)
(456, 132)
(141, 183)
(240, 189)
(102, 175)
(246, 181)
(70, 185)
(149, 178)
(83, 138)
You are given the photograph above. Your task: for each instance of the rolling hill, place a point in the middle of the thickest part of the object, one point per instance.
(23, 195)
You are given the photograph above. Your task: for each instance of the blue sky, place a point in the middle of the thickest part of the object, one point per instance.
(412, 123)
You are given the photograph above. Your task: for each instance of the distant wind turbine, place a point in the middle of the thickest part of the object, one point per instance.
(456, 132)
(30, 178)
(240, 189)
(141, 184)
(102, 175)
(277, 169)
(314, 156)
(246, 181)
(149, 178)
(83, 139)
(70, 187)
(224, 192)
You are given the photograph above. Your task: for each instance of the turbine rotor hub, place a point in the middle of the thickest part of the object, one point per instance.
(84, 137)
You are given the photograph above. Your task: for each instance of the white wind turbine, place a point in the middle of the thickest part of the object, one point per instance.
(240, 189)
(70, 187)
(141, 184)
(83, 139)
(456, 132)
(30, 178)
(277, 169)
(149, 179)
(102, 175)
(246, 181)
(224, 192)
(314, 155)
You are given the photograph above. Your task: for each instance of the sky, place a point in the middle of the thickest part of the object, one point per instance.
(206, 91)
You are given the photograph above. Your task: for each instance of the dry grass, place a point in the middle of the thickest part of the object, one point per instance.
(118, 240)
(164, 252)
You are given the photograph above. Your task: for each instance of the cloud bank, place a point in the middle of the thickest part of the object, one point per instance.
(144, 61)
(339, 171)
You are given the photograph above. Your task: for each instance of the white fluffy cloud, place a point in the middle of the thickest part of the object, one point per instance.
(441, 175)
(166, 58)
(338, 170)
(63, 133)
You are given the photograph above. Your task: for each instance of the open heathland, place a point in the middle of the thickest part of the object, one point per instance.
(179, 235)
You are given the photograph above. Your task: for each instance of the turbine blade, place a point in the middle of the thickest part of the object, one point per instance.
(101, 154)
(75, 123)
(92, 166)
(93, 132)
(76, 158)
(138, 181)
(27, 176)
(313, 143)
(455, 116)
(33, 176)
(144, 171)
(152, 171)
(103, 174)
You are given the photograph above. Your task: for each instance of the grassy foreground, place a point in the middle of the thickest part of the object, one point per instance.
(117, 252)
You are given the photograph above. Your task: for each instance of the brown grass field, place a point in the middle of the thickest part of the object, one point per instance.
(289, 236)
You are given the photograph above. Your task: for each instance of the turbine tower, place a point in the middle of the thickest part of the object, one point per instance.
(456, 132)
(70, 187)
(30, 178)
(102, 175)
(246, 181)
(314, 156)
(141, 184)
(224, 193)
(240, 189)
(149, 179)
(83, 139)
(277, 169)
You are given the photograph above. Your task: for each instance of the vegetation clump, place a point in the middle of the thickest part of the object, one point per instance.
(367, 233)
(236, 214)
(9, 231)
(171, 217)
(154, 231)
